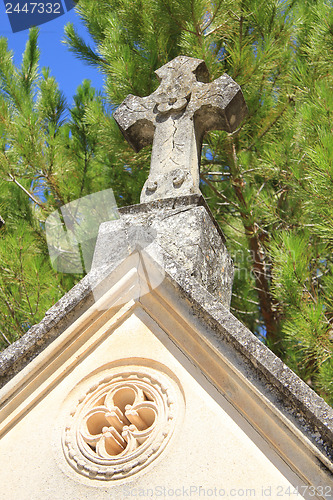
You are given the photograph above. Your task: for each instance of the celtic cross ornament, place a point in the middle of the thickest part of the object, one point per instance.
(174, 119)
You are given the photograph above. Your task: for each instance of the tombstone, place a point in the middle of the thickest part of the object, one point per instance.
(139, 382)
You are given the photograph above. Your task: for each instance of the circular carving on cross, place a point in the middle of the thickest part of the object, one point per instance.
(178, 177)
(170, 104)
(151, 186)
(120, 425)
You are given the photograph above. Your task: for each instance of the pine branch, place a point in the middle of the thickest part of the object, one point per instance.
(227, 174)
(204, 161)
(247, 300)
(5, 338)
(212, 19)
(242, 312)
(12, 312)
(176, 21)
(259, 267)
(217, 192)
(78, 46)
(230, 225)
(23, 285)
(268, 128)
(13, 179)
(214, 30)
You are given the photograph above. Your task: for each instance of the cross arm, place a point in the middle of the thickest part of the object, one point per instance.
(135, 119)
(219, 105)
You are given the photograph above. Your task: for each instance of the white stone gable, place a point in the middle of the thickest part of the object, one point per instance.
(138, 398)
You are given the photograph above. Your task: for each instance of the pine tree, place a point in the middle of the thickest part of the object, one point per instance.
(269, 183)
(49, 156)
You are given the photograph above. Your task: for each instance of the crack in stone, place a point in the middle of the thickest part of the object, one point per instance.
(174, 133)
(175, 162)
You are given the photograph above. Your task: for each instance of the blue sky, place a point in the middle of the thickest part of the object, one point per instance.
(65, 67)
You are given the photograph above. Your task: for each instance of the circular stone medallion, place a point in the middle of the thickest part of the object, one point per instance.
(121, 424)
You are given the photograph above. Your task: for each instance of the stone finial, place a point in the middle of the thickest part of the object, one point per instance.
(174, 119)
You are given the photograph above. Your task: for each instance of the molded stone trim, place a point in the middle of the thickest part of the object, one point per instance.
(121, 424)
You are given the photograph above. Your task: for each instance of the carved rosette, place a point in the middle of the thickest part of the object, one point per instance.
(171, 104)
(120, 425)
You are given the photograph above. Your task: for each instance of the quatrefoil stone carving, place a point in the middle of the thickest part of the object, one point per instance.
(120, 425)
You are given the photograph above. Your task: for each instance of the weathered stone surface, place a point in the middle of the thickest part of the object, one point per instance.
(159, 349)
(184, 228)
(174, 119)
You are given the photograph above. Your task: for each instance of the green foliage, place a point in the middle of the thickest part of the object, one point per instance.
(50, 154)
(25, 279)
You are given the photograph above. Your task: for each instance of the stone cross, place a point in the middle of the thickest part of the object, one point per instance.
(174, 119)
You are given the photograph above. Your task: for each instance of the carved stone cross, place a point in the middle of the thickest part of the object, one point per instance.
(175, 118)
